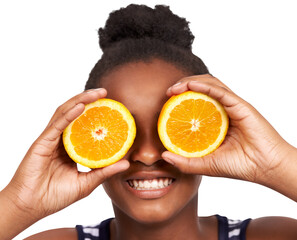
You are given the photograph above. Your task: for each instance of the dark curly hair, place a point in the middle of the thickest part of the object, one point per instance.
(140, 33)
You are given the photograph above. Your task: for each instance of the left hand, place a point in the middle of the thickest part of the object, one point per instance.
(252, 149)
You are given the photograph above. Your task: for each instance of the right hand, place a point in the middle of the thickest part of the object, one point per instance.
(47, 180)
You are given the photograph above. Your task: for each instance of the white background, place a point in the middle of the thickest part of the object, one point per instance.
(47, 49)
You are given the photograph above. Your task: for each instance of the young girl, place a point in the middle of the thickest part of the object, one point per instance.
(147, 58)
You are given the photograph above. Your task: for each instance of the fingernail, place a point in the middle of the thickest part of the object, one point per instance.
(93, 90)
(168, 160)
(178, 83)
(169, 89)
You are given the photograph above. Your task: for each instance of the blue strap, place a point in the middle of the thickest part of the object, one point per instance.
(222, 227)
(104, 229)
(231, 230)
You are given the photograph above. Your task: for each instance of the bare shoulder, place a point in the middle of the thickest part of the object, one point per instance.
(272, 228)
(57, 234)
(209, 226)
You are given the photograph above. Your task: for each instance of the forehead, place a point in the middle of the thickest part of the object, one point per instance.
(141, 83)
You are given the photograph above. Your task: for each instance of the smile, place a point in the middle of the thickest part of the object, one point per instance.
(151, 184)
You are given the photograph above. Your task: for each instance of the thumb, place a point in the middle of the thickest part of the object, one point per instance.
(90, 180)
(201, 166)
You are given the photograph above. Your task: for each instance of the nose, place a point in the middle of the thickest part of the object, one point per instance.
(147, 152)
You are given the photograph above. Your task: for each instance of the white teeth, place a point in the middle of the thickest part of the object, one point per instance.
(160, 183)
(166, 181)
(135, 183)
(146, 184)
(154, 183)
(150, 184)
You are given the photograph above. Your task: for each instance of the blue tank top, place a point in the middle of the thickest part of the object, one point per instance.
(227, 230)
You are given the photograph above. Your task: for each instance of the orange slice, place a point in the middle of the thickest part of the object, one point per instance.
(101, 135)
(192, 124)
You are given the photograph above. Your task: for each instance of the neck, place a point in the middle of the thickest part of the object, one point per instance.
(183, 225)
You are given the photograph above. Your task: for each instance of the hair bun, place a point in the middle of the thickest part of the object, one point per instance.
(140, 21)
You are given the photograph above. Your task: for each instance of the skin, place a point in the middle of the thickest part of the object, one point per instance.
(252, 151)
(257, 154)
(133, 85)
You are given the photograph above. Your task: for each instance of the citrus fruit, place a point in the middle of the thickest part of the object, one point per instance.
(192, 124)
(101, 135)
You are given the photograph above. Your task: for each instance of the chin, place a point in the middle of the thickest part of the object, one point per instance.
(152, 213)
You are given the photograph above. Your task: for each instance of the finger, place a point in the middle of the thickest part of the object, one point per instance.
(177, 88)
(235, 107)
(52, 134)
(85, 97)
(91, 180)
(200, 166)
(180, 87)
(221, 94)
(207, 78)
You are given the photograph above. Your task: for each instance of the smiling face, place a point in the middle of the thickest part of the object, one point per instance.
(151, 190)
